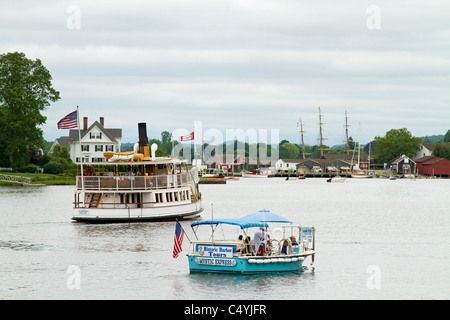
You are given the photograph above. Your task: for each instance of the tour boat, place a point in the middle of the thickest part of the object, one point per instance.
(277, 251)
(134, 187)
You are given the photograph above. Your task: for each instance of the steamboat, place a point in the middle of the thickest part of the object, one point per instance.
(136, 186)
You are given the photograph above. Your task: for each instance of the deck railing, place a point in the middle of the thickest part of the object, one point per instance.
(117, 183)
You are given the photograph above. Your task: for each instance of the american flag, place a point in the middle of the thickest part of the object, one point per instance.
(188, 137)
(69, 121)
(177, 240)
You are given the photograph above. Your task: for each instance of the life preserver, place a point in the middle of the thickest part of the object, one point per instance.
(274, 233)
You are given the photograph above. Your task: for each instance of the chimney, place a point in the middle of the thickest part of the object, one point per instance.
(102, 121)
(85, 124)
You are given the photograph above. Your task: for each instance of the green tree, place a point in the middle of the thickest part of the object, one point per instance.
(447, 136)
(288, 151)
(60, 162)
(442, 150)
(25, 91)
(396, 142)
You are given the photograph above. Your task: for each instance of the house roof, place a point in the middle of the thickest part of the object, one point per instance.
(111, 133)
(432, 145)
(425, 159)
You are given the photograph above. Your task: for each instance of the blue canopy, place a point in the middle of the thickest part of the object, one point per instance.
(266, 216)
(243, 223)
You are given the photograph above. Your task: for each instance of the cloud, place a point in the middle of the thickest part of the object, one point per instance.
(241, 64)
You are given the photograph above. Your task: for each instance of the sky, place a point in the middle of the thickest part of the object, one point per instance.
(241, 64)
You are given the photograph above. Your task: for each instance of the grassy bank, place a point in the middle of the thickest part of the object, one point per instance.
(42, 178)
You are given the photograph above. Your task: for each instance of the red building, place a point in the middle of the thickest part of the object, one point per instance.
(433, 165)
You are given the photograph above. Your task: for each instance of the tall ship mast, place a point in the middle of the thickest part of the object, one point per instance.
(300, 125)
(136, 186)
(347, 144)
(321, 138)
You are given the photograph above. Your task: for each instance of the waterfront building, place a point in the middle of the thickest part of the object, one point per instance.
(95, 140)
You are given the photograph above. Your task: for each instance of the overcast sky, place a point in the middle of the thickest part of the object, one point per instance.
(241, 64)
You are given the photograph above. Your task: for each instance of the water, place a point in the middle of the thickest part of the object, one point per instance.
(376, 239)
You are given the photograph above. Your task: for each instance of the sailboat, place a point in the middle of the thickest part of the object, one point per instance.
(357, 172)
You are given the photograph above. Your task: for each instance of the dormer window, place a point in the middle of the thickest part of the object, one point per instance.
(95, 135)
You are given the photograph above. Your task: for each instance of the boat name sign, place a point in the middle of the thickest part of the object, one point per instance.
(216, 251)
(216, 261)
(307, 236)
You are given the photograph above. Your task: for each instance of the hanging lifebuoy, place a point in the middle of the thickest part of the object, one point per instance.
(275, 233)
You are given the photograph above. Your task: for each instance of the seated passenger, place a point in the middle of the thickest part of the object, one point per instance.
(269, 247)
(261, 250)
(293, 241)
(240, 247)
(247, 245)
(284, 248)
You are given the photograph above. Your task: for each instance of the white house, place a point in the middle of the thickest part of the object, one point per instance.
(286, 165)
(426, 150)
(95, 140)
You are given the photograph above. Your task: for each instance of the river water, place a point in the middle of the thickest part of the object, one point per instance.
(376, 239)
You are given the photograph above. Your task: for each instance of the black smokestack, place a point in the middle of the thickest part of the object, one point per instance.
(142, 128)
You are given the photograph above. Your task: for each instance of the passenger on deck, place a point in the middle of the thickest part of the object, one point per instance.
(294, 241)
(240, 246)
(247, 245)
(258, 237)
(268, 246)
(262, 249)
(284, 248)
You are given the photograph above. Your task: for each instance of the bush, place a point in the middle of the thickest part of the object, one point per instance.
(54, 168)
(31, 168)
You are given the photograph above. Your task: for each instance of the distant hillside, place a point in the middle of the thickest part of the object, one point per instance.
(434, 138)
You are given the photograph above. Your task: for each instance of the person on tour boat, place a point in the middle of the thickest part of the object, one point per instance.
(258, 237)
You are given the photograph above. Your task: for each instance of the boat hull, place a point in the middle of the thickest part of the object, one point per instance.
(362, 176)
(247, 265)
(166, 213)
(254, 175)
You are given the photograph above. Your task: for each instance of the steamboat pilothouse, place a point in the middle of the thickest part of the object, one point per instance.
(136, 187)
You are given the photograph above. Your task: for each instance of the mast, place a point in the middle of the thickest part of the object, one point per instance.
(300, 124)
(359, 144)
(321, 138)
(347, 145)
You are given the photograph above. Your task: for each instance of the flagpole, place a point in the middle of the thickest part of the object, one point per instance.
(81, 158)
(183, 230)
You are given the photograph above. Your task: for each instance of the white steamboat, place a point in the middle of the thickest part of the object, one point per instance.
(134, 187)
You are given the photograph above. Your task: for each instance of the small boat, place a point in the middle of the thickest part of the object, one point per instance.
(362, 174)
(256, 174)
(336, 179)
(275, 251)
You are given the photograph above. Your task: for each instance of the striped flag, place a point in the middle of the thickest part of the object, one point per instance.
(69, 121)
(178, 240)
(188, 137)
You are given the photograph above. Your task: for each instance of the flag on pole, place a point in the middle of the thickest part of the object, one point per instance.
(188, 137)
(178, 240)
(69, 121)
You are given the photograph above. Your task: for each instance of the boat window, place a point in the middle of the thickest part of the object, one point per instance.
(176, 196)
